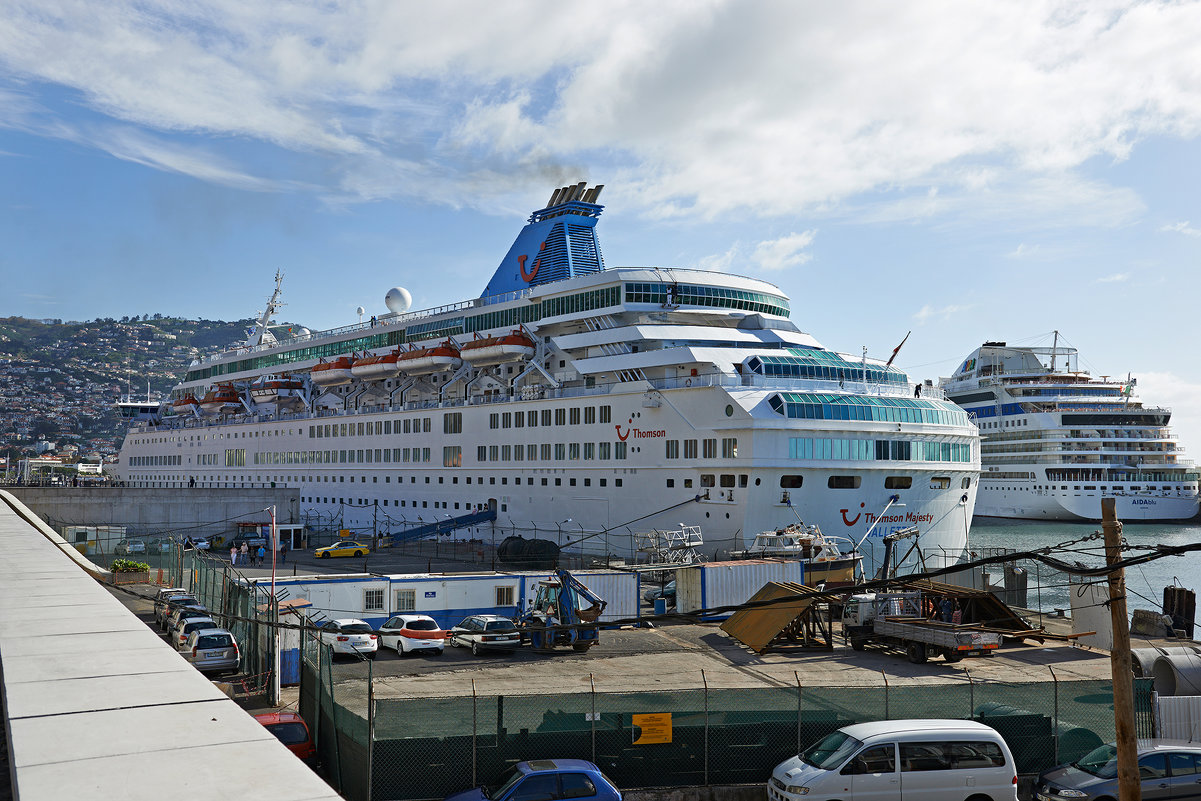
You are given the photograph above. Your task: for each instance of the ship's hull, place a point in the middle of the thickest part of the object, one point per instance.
(731, 496)
(1012, 500)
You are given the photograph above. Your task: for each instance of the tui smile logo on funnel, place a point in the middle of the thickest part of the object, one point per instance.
(521, 260)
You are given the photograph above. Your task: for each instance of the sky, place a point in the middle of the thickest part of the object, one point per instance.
(964, 171)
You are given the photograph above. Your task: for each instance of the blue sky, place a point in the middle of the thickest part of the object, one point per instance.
(964, 171)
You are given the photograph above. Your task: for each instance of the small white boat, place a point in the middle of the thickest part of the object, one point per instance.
(820, 554)
(269, 388)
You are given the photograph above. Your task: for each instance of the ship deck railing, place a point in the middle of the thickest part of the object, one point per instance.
(731, 381)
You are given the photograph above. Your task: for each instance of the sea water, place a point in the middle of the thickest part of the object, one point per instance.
(1048, 589)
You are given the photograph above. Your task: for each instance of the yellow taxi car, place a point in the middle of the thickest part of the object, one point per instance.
(343, 548)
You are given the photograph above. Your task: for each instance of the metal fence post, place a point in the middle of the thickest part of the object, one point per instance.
(371, 728)
(592, 684)
(336, 768)
(705, 679)
(1055, 720)
(886, 712)
(474, 729)
(971, 695)
(799, 746)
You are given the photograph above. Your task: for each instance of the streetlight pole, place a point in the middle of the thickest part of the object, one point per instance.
(275, 677)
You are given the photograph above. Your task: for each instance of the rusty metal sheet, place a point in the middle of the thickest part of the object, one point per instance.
(757, 628)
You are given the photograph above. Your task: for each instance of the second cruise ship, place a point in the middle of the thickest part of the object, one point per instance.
(1055, 440)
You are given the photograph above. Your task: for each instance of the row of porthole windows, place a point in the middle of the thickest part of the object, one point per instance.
(545, 482)
(890, 482)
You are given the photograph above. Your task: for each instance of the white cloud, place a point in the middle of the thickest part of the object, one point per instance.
(787, 251)
(928, 312)
(1115, 278)
(1182, 227)
(1022, 251)
(480, 101)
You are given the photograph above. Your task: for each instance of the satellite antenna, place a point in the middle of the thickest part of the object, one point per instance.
(398, 300)
(360, 311)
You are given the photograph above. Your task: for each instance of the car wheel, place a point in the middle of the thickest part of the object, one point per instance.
(454, 643)
(360, 553)
(400, 649)
(323, 555)
(475, 648)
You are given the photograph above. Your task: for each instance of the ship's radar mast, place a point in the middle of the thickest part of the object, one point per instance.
(259, 331)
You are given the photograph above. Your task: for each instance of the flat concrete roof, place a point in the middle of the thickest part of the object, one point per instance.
(97, 706)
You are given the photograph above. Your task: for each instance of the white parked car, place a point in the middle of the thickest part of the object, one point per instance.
(350, 635)
(179, 634)
(486, 633)
(411, 632)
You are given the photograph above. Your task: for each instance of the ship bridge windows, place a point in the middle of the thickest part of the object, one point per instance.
(811, 406)
(823, 365)
(837, 449)
(706, 296)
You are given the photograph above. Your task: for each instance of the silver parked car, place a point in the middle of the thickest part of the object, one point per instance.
(182, 612)
(167, 596)
(1168, 769)
(179, 635)
(212, 650)
(486, 633)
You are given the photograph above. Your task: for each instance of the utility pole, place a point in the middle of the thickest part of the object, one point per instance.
(1129, 783)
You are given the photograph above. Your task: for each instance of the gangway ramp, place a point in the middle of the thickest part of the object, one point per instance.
(444, 526)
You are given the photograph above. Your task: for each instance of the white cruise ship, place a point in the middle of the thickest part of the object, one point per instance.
(578, 402)
(1055, 440)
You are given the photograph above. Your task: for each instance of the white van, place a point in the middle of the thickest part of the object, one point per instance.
(931, 760)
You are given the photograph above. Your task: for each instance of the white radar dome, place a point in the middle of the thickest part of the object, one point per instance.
(398, 299)
(360, 311)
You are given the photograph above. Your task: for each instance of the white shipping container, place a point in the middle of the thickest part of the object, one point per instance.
(713, 584)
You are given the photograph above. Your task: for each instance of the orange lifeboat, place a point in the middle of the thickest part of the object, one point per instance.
(268, 388)
(376, 368)
(185, 405)
(436, 359)
(217, 398)
(332, 374)
(513, 347)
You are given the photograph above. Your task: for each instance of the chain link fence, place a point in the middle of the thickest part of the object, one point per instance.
(430, 747)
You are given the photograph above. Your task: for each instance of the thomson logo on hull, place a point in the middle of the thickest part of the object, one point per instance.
(637, 433)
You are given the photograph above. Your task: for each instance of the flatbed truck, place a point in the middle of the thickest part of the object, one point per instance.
(893, 621)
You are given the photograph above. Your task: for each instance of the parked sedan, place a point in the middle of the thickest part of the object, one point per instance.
(182, 613)
(343, 548)
(179, 635)
(350, 636)
(165, 597)
(546, 778)
(1168, 768)
(291, 730)
(213, 650)
(412, 632)
(127, 547)
(486, 633)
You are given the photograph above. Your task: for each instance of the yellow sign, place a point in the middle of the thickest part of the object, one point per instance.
(652, 728)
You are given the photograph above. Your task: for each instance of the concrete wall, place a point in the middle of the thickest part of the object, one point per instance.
(145, 510)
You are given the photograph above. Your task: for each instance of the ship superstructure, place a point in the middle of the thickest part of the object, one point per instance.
(1055, 439)
(579, 402)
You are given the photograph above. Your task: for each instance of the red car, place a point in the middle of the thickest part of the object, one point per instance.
(291, 730)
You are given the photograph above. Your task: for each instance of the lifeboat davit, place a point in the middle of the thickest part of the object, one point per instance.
(217, 398)
(185, 405)
(332, 374)
(268, 388)
(423, 361)
(484, 351)
(376, 368)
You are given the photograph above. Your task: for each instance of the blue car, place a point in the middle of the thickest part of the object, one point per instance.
(543, 780)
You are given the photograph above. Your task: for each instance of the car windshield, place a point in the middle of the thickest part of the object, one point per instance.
(502, 785)
(214, 641)
(356, 628)
(421, 625)
(196, 625)
(1101, 762)
(289, 733)
(500, 625)
(830, 752)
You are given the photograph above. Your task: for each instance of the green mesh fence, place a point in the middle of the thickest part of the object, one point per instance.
(428, 748)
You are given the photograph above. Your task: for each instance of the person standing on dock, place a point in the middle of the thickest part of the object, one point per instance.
(262, 554)
(245, 554)
(283, 553)
(233, 555)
